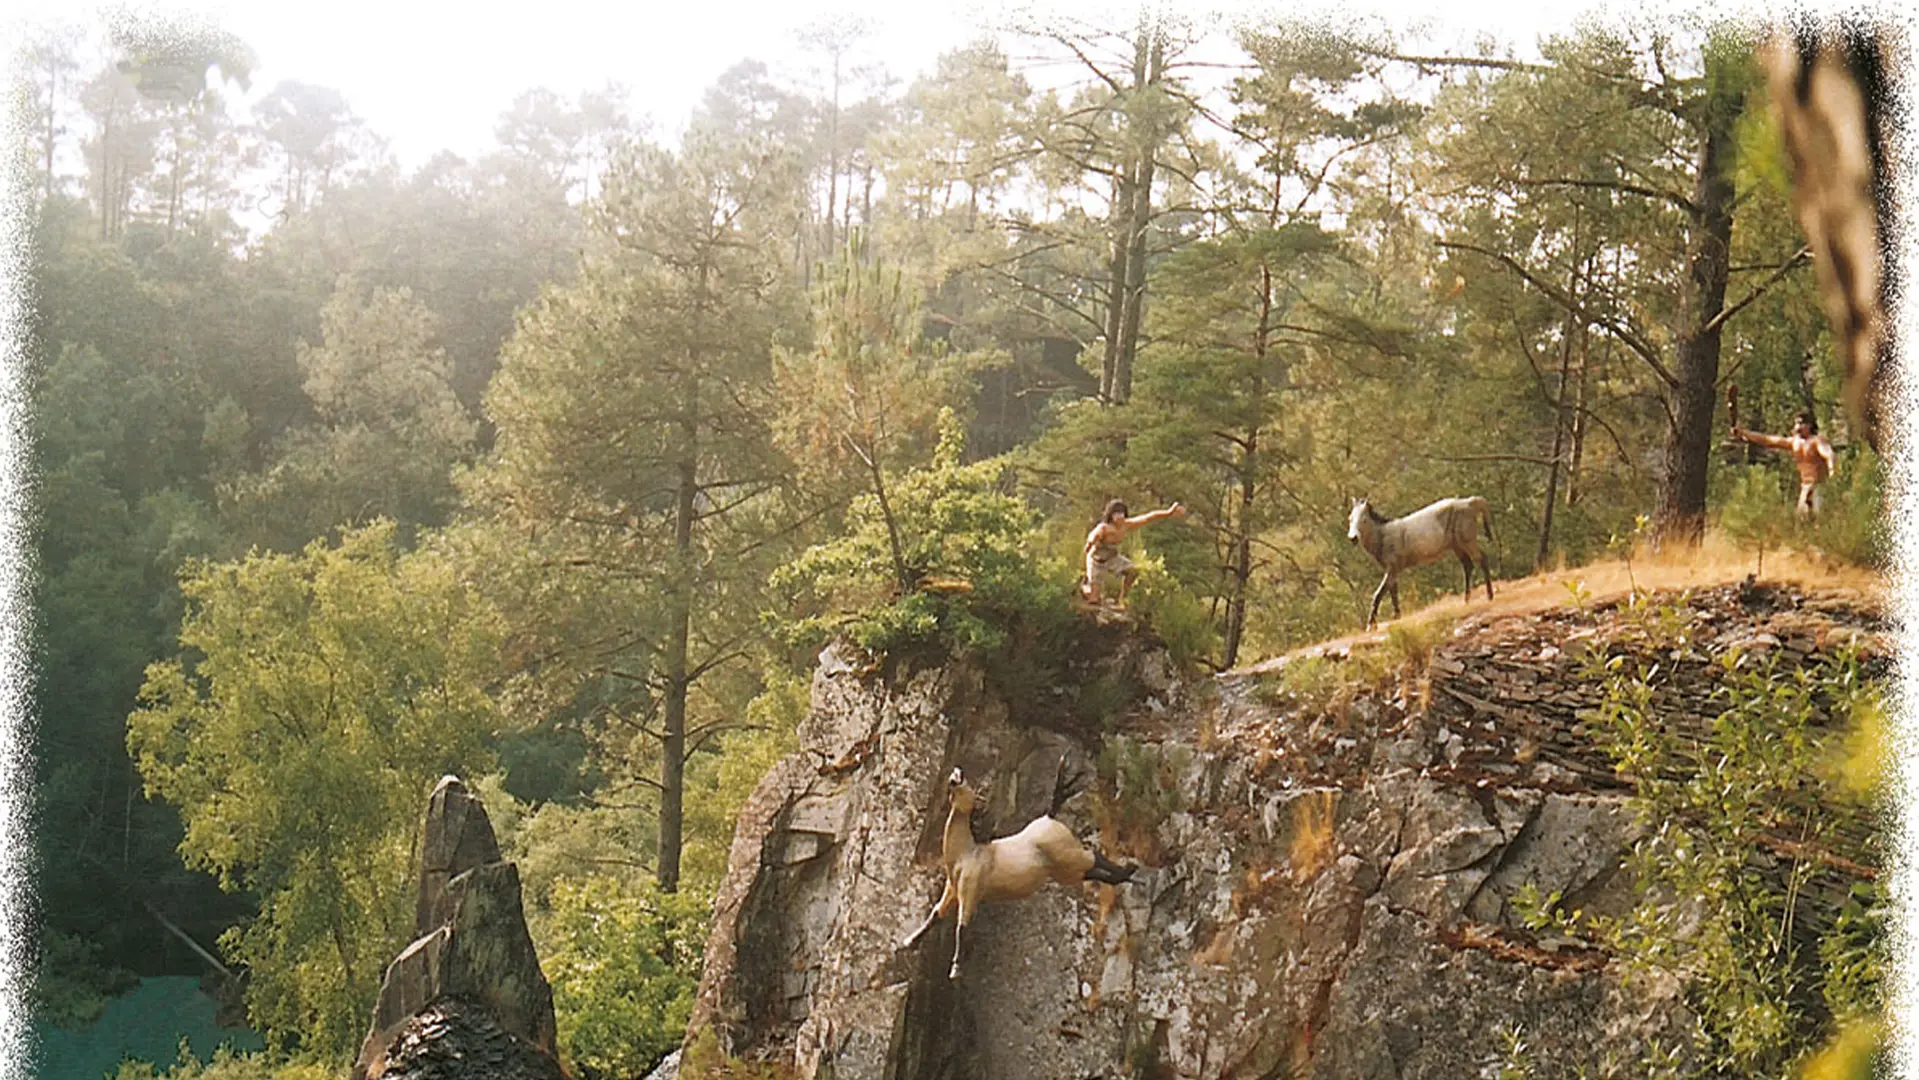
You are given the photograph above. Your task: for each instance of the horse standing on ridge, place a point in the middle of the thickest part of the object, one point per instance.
(1420, 539)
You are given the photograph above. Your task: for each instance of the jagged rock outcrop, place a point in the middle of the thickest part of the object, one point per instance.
(460, 1039)
(469, 988)
(1324, 893)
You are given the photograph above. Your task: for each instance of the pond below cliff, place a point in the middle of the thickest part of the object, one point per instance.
(146, 1024)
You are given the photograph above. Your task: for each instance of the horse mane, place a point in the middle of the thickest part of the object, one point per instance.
(1377, 517)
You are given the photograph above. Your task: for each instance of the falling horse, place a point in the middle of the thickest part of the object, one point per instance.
(1420, 539)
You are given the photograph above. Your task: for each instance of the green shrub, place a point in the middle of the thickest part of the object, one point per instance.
(70, 984)
(1178, 616)
(625, 963)
(1755, 508)
(1853, 525)
(228, 1065)
(1707, 798)
(1758, 507)
(969, 546)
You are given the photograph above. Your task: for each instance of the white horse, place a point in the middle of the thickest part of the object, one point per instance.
(1420, 539)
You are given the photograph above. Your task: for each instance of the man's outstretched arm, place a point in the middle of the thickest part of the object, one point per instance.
(1175, 510)
(1776, 442)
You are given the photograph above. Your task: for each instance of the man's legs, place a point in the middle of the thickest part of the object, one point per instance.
(1122, 570)
(1099, 575)
(1808, 501)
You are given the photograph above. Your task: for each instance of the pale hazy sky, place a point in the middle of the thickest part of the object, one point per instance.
(429, 74)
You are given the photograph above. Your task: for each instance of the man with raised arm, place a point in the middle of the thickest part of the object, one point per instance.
(1104, 563)
(1810, 452)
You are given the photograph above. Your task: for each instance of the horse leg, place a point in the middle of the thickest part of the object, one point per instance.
(1486, 575)
(1468, 564)
(1372, 617)
(945, 905)
(959, 930)
(1395, 598)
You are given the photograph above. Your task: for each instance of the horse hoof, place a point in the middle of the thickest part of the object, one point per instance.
(953, 972)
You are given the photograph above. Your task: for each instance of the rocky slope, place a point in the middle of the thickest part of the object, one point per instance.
(1326, 890)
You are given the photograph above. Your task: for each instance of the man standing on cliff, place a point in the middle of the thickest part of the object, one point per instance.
(1810, 452)
(1104, 564)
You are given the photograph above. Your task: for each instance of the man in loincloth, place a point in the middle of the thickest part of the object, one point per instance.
(1810, 452)
(1104, 563)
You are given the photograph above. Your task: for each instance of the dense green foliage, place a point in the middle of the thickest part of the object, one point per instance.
(973, 576)
(330, 690)
(554, 466)
(624, 966)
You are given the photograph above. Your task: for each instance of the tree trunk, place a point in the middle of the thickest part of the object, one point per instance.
(1580, 419)
(673, 733)
(680, 615)
(1116, 286)
(1242, 561)
(1136, 216)
(1133, 299)
(1242, 567)
(900, 572)
(1562, 413)
(833, 155)
(105, 182)
(866, 211)
(53, 105)
(1681, 514)
(1560, 435)
(173, 178)
(1806, 381)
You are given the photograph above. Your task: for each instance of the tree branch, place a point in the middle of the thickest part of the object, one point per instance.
(1526, 459)
(1799, 258)
(1614, 185)
(1637, 344)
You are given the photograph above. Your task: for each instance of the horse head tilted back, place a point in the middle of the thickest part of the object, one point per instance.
(964, 796)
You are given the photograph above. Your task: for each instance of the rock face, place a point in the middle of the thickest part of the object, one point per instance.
(1325, 893)
(470, 984)
(457, 837)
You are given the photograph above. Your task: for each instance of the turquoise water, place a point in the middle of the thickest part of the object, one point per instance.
(146, 1023)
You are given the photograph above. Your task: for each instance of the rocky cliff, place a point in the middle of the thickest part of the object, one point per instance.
(1326, 889)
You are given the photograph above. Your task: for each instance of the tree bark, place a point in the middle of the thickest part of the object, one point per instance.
(1581, 421)
(1563, 415)
(1681, 513)
(833, 155)
(1133, 299)
(53, 105)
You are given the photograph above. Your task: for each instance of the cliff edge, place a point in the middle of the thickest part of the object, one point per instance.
(1326, 888)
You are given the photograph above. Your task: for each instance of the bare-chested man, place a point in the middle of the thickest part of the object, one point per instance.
(1104, 563)
(1810, 452)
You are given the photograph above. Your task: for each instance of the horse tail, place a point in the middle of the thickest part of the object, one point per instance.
(1485, 517)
